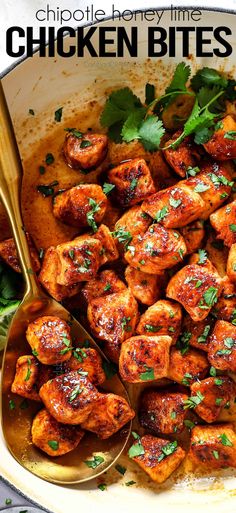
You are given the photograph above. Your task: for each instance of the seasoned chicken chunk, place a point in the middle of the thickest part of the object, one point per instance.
(26, 378)
(111, 413)
(213, 446)
(133, 222)
(176, 206)
(226, 304)
(84, 151)
(81, 206)
(133, 181)
(8, 253)
(89, 362)
(162, 318)
(50, 339)
(109, 251)
(158, 249)
(144, 358)
(146, 288)
(114, 317)
(217, 253)
(222, 144)
(215, 393)
(222, 349)
(69, 398)
(224, 222)
(197, 288)
(162, 411)
(48, 277)
(158, 457)
(188, 367)
(105, 283)
(112, 215)
(231, 263)
(79, 260)
(193, 235)
(185, 156)
(53, 438)
(197, 334)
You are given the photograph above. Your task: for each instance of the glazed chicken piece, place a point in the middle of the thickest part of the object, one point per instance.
(144, 358)
(215, 393)
(158, 457)
(111, 216)
(162, 411)
(158, 249)
(146, 288)
(162, 318)
(114, 317)
(133, 182)
(26, 378)
(48, 277)
(109, 251)
(133, 222)
(222, 144)
(188, 367)
(226, 305)
(84, 151)
(50, 339)
(213, 446)
(79, 260)
(8, 253)
(80, 206)
(185, 156)
(197, 288)
(197, 334)
(176, 206)
(222, 349)
(69, 398)
(193, 235)
(89, 362)
(53, 438)
(231, 263)
(224, 222)
(105, 283)
(111, 413)
(217, 253)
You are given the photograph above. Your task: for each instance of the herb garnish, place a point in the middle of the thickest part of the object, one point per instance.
(47, 190)
(225, 440)
(95, 207)
(77, 390)
(107, 188)
(167, 450)
(53, 444)
(58, 114)
(194, 400)
(137, 448)
(148, 374)
(95, 462)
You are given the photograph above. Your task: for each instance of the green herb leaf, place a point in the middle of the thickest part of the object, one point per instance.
(202, 256)
(201, 187)
(12, 404)
(167, 450)
(95, 462)
(150, 132)
(148, 374)
(183, 342)
(174, 203)
(120, 469)
(53, 444)
(194, 400)
(77, 390)
(232, 227)
(210, 296)
(161, 214)
(212, 371)
(225, 440)
(49, 159)
(189, 424)
(130, 483)
(47, 190)
(208, 77)
(231, 134)
(85, 143)
(203, 337)
(58, 114)
(95, 207)
(123, 236)
(73, 131)
(149, 93)
(31, 112)
(215, 454)
(107, 188)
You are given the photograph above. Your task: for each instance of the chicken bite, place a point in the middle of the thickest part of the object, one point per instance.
(213, 446)
(48, 277)
(162, 318)
(144, 358)
(162, 411)
(158, 249)
(84, 151)
(50, 339)
(80, 206)
(105, 283)
(26, 378)
(109, 251)
(193, 235)
(114, 317)
(146, 288)
(133, 182)
(226, 307)
(111, 413)
(222, 144)
(197, 288)
(224, 222)
(79, 260)
(231, 263)
(214, 394)
(222, 349)
(188, 367)
(69, 398)
(133, 222)
(197, 334)
(185, 156)
(8, 253)
(53, 438)
(158, 457)
(89, 362)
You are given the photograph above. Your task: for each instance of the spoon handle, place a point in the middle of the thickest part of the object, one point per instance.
(10, 182)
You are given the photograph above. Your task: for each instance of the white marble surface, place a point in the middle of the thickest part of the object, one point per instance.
(22, 12)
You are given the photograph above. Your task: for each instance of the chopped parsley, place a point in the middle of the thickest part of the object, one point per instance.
(58, 114)
(125, 323)
(47, 190)
(74, 394)
(107, 287)
(183, 342)
(76, 133)
(137, 448)
(28, 373)
(148, 374)
(232, 227)
(49, 159)
(215, 454)
(120, 469)
(31, 112)
(12, 404)
(102, 487)
(203, 337)
(202, 256)
(189, 424)
(130, 483)
(201, 187)
(133, 184)
(225, 440)
(95, 462)
(175, 203)
(152, 328)
(122, 235)
(53, 444)
(95, 207)
(186, 378)
(210, 296)
(194, 400)
(167, 450)
(107, 188)
(231, 134)
(161, 214)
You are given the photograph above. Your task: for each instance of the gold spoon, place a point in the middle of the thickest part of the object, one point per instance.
(17, 414)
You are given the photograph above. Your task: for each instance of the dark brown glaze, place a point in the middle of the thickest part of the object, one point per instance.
(162, 318)
(133, 182)
(222, 349)
(50, 339)
(72, 206)
(78, 155)
(217, 392)
(207, 449)
(162, 411)
(187, 368)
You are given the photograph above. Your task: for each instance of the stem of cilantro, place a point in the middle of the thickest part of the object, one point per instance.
(157, 100)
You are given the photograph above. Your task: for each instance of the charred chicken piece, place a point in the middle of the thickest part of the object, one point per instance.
(89, 362)
(84, 151)
(223, 221)
(79, 260)
(146, 288)
(213, 446)
(222, 349)
(26, 378)
(185, 156)
(50, 339)
(197, 334)
(188, 367)
(48, 277)
(162, 318)
(144, 358)
(81, 206)
(133, 182)
(111, 413)
(225, 307)
(193, 235)
(162, 411)
(231, 263)
(105, 283)
(109, 251)
(222, 144)
(215, 393)
(69, 398)
(53, 438)
(8, 253)
(159, 458)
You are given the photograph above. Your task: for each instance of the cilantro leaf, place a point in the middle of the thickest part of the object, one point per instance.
(180, 78)
(130, 129)
(119, 106)
(151, 132)
(208, 77)
(205, 95)
(149, 93)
